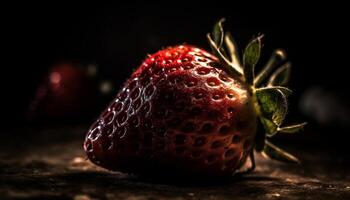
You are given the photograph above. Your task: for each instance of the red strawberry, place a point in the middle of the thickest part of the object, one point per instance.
(184, 110)
(59, 93)
(58, 97)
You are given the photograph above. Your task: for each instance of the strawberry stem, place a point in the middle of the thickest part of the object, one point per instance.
(277, 57)
(232, 50)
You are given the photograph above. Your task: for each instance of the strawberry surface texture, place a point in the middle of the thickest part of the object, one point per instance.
(190, 112)
(179, 109)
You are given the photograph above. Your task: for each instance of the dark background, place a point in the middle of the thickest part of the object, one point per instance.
(116, 38)
(48, 100)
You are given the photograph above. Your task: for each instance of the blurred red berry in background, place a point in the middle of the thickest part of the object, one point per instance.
(68, 92)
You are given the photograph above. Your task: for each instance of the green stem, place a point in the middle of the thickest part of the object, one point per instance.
(277, 57)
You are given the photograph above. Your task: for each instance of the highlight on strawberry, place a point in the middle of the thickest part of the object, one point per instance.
(186, 111)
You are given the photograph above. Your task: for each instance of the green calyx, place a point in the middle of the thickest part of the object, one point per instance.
(268, 87)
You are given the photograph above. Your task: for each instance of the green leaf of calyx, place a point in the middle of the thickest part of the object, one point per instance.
(276, 153)
(281, 76)
(232, 51)
(250, 58)
(292, 128)
(286, 91)
(269, 126)
(218, 33)
(273, 104)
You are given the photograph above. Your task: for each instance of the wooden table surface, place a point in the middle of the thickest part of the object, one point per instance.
(50, 164)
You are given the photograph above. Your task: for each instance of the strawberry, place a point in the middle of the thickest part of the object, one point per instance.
(190, 112)
(58, 97)
(59, 93)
